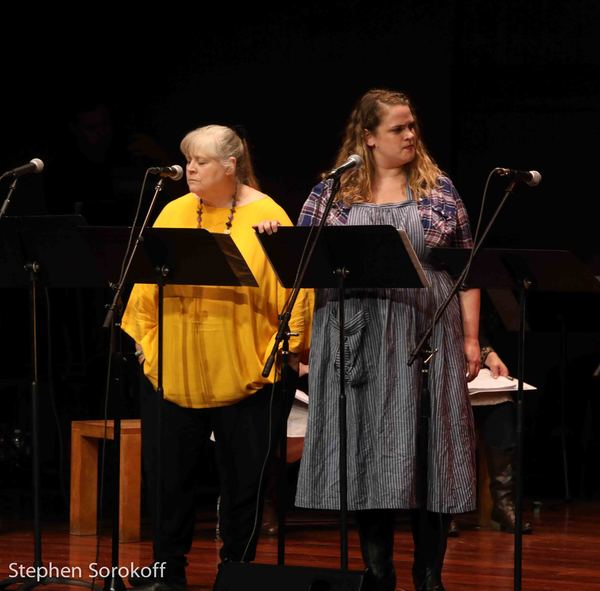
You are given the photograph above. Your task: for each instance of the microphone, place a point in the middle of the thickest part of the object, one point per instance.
(354, 161)
(529, 177)
(174, 172)
(35, 165)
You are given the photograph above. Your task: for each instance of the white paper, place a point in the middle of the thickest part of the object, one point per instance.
(301, 396)
(484, 382)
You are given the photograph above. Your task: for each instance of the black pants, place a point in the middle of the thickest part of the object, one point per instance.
(245, 433)
(430, 535)
(497, 424)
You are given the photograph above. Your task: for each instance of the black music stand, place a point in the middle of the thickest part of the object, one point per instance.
(344, 257)
(564, 313)
(381, 256)
(36, 245)
(183, 255)
(178, 256)
(529, 272)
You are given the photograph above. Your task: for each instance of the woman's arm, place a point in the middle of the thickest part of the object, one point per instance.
(469, 309)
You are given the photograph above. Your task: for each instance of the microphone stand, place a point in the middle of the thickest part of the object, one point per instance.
(30, 582)
(119, 287)
(459, 282)
(284, 318)
(423, 349)
(281, 483)
(9, 196)
(114, 582)
(41, 577)
(286, 314)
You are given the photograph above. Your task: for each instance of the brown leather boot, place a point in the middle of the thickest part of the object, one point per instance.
(502, 487)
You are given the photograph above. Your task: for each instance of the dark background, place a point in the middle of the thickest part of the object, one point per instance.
(511, 84)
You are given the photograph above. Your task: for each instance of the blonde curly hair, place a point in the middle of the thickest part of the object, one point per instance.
(423, 172)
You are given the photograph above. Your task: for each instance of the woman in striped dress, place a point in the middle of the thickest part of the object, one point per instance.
(400, 185)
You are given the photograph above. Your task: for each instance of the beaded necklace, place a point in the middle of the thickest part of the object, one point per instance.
(229, 221)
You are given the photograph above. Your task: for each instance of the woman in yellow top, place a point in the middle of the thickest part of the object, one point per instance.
(215, 344)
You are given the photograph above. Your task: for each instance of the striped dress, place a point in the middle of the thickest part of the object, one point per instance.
(382, 327)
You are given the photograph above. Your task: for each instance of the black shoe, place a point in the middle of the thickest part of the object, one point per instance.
(431, 582)
(160, 576)
(453, 531)
(373, 583)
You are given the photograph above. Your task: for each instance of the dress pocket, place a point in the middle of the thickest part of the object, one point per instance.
(356, 366)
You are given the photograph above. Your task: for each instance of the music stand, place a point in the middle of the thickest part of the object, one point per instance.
(35, 245)
(12, 263)
(527, 271)
(345, 257)
(178, 256)
(186, 255)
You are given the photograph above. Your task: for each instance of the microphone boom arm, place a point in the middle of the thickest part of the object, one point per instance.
(286, 314)
(108, 319)
(9, 196)
(461, 278)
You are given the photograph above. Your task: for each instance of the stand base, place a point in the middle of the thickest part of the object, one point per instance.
(241, 576)
(29, 583)
(114, 584)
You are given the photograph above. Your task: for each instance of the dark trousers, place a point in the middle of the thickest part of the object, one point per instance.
(497, 424)
(245, 435)
(430, 537)
(376, 533)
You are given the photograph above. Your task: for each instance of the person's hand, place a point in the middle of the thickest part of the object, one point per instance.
(472, 358)
(496, 365)
(139, 354)
(303, 369)
(267, 226)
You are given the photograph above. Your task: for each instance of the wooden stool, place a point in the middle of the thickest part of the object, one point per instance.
(84, 477)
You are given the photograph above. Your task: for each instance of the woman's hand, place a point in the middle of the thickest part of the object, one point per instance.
(139, 354)
(496, 365)
(267, 226)
(472, 358)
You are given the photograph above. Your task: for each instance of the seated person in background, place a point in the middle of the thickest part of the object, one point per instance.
(495, 420)
(95, 166)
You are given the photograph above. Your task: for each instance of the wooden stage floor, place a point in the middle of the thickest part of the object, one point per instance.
(563, 554)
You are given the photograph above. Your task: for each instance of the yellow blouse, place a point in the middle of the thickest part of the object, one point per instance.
(216, 340)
